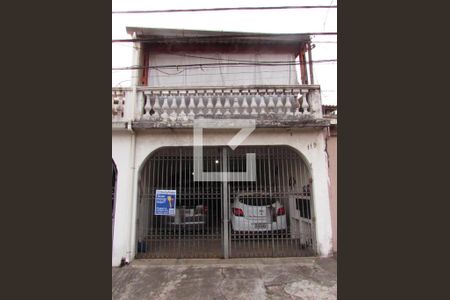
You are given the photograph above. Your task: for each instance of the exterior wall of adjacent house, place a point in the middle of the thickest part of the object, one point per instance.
(309, 143)
(332, 169)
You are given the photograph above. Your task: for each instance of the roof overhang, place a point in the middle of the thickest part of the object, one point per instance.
(165, 36)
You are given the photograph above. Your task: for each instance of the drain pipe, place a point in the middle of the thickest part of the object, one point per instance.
(132, 115)
(132, 160)
(132, 189)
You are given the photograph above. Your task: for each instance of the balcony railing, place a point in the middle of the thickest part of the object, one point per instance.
(118, 104)
(159, 107)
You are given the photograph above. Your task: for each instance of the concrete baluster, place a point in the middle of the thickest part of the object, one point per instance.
(279, 105)
(227, 105)
(262, 105)
(182, 115)
(288, 104)
(165, 107)
(147, 108)
(253, 105)
(245, 104)
(156, 108)
(209, 105)
(271, 105)
(219, 106)
(236, 105)
(200, 106)
(305, 104)
(191, 106)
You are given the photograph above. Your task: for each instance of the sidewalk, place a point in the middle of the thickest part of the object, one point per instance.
(256, 278)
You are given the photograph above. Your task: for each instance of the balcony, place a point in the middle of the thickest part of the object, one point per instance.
(270, 106)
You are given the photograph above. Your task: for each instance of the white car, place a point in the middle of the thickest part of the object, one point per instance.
(257, 212)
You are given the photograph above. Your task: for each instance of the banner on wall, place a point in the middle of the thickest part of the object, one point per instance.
(165, 202)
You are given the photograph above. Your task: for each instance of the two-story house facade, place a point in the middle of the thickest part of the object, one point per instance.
(256, 183)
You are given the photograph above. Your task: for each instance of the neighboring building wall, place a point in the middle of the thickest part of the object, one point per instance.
(309, 143)
(332, 169)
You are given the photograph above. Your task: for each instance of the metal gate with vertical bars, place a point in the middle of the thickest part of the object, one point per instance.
(269, 217)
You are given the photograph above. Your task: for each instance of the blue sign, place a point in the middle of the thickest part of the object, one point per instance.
(165, 202)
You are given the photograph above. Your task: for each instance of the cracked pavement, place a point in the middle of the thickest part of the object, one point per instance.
(305, 278)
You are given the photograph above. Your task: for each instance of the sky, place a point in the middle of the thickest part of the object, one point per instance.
(268, 21)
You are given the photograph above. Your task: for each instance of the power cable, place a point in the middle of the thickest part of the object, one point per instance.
(326, 16)
(273, 63)
(222, 9)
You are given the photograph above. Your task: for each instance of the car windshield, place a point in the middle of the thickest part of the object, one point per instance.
(257, 200)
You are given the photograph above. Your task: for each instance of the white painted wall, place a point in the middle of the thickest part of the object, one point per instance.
(332, 153)
(310, 143)
(221, 75)
(121, 145)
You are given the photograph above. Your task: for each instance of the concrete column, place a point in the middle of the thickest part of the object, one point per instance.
(320, 191)
(137, 102)
(121, 147)
(332, 152)
(134, 203)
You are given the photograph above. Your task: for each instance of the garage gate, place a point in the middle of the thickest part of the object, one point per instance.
(271, 216)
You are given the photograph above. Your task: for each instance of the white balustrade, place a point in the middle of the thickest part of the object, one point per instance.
(182, 106)
(118, 104)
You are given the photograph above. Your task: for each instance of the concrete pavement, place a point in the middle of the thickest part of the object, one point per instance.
(259, 278)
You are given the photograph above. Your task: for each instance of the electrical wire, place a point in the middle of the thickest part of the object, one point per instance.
(222, 9)
(229, 60)
(326, 16)
(219, 59)
(169, 73)
(206, 74)
(223, 73)
(208, 65)
(269, 74)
